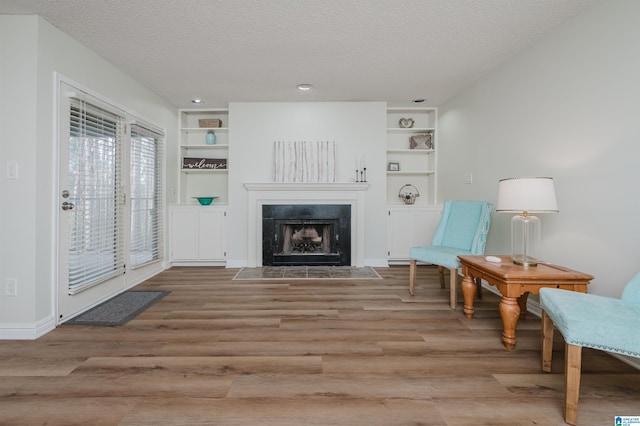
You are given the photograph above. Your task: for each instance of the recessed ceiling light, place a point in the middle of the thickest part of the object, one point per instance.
(419, 101)
(197, 101)
(305, 87)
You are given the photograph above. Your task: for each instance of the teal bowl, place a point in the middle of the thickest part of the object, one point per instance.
(205, 201)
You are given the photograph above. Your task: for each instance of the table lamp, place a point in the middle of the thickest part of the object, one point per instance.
(525, 196)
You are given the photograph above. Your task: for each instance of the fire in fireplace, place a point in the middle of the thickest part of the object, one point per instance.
(306, 234)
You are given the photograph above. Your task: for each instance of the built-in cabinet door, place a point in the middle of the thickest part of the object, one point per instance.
(211, 235)
(184, 234)
(410, 226)
(401, 233)
(198, 233)
(426, 223)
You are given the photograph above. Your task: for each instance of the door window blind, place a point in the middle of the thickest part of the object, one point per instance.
(145, 174)
(94, 183)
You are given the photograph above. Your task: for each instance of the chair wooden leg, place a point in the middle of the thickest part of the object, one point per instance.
(441, 273)
(572, 369)
(453, 287)
(547, 342)
(479, 287)
(412, 276)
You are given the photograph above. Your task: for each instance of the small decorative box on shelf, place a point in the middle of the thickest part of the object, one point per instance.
(209, 122)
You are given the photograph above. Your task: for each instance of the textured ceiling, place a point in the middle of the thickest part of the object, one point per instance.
(259, 50)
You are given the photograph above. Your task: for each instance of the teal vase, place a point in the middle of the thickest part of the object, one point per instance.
(211, 138)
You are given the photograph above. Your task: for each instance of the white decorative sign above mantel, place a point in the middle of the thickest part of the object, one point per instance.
(304, 161)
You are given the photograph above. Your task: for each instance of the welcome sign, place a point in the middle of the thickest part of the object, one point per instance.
(194, 163)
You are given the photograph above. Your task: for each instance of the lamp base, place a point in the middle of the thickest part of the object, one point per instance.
(525, 235)
(524, 260)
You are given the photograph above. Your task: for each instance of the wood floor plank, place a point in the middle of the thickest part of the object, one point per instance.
(286, 412)
(367, 386)
(62, 411)
(222, 365)
(154, 383)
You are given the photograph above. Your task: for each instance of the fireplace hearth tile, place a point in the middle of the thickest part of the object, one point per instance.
(295, 272)
(307, 272)
(271, 271)
(319, 271)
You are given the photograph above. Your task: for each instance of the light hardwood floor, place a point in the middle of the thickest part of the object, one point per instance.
(325, 352)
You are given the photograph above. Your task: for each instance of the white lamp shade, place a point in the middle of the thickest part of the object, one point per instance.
(533, 195)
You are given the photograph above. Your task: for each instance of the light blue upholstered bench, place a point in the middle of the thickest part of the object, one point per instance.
(591, 321)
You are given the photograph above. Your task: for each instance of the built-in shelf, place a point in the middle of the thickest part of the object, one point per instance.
(192, 144)
(203, 146)
(410, 129)
(417, 166)
(412, 151)
(411, 172)
(223, 171)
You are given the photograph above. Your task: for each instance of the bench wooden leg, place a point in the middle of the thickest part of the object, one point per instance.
(547, 342)
(572, 369)
(441, 273)
(453, 287)
(412, 276)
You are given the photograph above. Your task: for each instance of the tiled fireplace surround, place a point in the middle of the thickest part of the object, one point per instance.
(259, 194)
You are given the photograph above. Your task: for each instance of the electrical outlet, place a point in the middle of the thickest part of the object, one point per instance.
(11, 287)
(12, 170)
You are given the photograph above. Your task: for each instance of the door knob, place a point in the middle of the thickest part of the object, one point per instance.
(67, 206)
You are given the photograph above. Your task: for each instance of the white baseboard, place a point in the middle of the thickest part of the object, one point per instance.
(199, 263)
(237, 263)
(377, 263)
(27, 331)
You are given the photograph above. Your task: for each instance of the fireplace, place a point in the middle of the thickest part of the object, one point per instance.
(269, 193)
(306, 234)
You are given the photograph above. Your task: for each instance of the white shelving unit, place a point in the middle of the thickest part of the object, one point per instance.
(203, 182)
(198, 233)
(414, 224)
(417, 167)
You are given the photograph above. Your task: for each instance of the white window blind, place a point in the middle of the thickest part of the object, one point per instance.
(145, 174)
(96, 251)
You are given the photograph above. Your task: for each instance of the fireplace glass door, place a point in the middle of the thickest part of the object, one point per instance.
(306, 235)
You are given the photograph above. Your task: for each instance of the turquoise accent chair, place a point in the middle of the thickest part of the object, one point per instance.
(462, 230)
(590, 321)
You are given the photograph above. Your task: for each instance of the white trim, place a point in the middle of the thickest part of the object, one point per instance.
(136, 275)
(237, 264)
(198, 263)
(27, 331)
(378, 263)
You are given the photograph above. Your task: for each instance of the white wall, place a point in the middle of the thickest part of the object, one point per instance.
(359, 128)
(31, 52)
(18, 96)
(567, 107)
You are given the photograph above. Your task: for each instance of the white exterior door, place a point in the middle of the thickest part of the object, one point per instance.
(91, 214)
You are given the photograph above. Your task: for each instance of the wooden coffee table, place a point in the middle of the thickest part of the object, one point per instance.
(515, 282)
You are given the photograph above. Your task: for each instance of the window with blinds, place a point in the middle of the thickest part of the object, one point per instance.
(145, 174)
(96, 251)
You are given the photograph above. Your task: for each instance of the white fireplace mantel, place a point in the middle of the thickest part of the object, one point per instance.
(351, 193)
